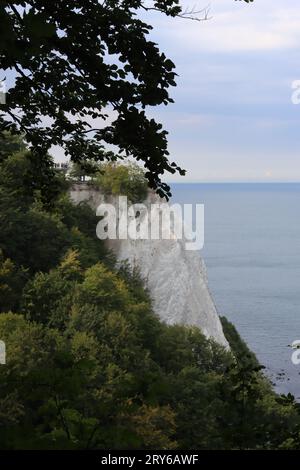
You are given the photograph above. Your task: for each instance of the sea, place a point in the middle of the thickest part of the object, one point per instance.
(252, 254)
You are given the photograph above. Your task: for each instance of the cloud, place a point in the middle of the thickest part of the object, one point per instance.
(264, 25)
(233, 119)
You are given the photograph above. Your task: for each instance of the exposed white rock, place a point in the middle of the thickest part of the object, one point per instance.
(176, 278)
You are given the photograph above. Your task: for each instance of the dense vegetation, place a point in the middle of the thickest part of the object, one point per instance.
(89, 365)
(123, 179)
(113, 178)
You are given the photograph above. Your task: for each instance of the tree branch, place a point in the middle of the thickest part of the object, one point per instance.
(187, 14)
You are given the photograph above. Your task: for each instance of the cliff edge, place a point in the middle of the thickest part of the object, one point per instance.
(176, 278)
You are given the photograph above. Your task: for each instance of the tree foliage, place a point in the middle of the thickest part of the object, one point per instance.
(86, 72)
(118, 179)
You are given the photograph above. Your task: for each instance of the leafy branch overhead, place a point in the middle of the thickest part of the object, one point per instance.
(78, 62)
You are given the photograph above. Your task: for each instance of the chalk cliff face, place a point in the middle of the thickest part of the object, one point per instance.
(176, 278)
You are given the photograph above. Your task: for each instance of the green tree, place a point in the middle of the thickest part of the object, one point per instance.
(34, 238)
(10, 144)
(12, 281)
(27, 178)
(47, 375)
(48, 297)
(128, 180)
(39, 222)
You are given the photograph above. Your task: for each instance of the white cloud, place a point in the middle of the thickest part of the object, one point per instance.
(237, 26)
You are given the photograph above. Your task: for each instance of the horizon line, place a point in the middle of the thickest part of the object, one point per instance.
(233, 182)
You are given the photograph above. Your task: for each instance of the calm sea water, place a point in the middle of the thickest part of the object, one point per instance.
(252, 253)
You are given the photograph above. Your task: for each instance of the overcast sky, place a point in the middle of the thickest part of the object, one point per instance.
(233, 118)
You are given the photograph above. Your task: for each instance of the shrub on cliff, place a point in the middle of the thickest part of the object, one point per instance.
(122, 179)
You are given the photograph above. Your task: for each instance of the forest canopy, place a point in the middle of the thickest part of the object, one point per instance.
(89, 365)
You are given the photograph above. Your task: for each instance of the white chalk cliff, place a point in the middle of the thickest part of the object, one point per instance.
(176, 278)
